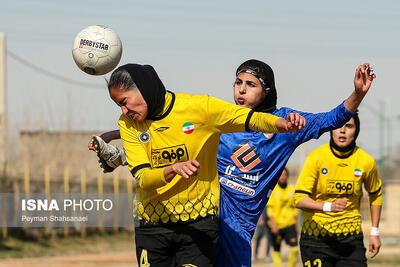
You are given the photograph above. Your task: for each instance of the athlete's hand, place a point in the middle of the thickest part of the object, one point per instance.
(274, 228)
(186, 169)
(295, 122)
(363, 78)
(339, 204)
(374, 245)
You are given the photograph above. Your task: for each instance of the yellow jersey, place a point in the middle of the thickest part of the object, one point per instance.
(189, 128)
(326, 177)
(281, 206)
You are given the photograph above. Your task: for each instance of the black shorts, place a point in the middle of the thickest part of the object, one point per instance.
(288, 234)
(186, 246)
(340, 255)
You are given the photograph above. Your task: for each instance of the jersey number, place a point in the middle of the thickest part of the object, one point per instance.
(244, 156)
(144, 262)
(316, 263)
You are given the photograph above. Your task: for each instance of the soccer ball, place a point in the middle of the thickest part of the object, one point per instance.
(97, 50)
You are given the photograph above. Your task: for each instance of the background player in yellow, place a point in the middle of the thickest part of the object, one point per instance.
(171, 142)
(283, 218)
(329, 190)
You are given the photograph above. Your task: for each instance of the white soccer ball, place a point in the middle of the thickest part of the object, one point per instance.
(97, 50)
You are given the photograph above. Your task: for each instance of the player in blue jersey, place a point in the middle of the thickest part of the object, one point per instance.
(250, 163)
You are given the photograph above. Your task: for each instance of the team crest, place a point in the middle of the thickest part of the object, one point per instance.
(324, 171)
(144, 137)
(357, 173)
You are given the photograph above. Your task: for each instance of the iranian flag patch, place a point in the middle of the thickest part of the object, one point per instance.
(188, 127)
(357, 173)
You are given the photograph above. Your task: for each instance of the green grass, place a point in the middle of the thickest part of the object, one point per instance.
(60, 246)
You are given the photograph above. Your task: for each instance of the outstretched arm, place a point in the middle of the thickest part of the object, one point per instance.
(362, 82)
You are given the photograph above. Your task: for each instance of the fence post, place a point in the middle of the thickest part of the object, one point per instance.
(66, 194)
(130, 199)
(47, 192)
(116, 199)
(83, 191)
(100, 193)
(26, 184)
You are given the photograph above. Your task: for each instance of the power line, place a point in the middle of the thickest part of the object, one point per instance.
(51, 74)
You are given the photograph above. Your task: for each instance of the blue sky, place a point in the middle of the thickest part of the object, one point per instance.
(313, 47)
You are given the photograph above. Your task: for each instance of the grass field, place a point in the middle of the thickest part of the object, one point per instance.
(117, 250)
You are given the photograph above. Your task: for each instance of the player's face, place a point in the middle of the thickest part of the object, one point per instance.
(283, 178)
(131, 102)
(345, 135)
(248, 91)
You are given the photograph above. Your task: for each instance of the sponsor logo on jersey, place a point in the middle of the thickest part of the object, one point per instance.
(188, 127)
(357, 173)
(342, 165)
(268, 135)
(237, 187)
(144, 137)
(230, 168)
(169, 155)
(339, 187)
(244, 156)
(161, 129)
(324, 171)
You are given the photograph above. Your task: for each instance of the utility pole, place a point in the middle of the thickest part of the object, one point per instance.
(382, 125)
(3, 127)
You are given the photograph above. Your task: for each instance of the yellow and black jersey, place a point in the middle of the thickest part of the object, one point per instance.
(189, 128)
(326, 177)
(281, 206)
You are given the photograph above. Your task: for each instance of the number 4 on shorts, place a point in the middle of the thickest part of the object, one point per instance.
(143, 259)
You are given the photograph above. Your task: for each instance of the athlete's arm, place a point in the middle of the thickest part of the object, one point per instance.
(293, 123)
(274, 226)
(374, 240)
(150, 179)
(229, 118)
(373, 185)
(309, 204)
(362, 82)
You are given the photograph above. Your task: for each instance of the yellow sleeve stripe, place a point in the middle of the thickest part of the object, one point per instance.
(302, 192)
(141, 166)
(375, 192)
(263, 122)
(248, 120)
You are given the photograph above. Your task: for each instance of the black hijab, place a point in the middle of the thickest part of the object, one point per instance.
(347, 149)
(264, 73)
(150, 86)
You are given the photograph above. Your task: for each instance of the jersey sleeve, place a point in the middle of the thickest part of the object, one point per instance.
(307, 178)
(319, 123)
(373, 185)
(229, 118)
(136, 155)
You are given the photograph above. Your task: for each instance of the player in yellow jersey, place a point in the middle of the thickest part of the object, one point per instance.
(329, 190)
(283, 218)
(171, 142)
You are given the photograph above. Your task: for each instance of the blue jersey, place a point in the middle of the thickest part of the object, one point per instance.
(249, 166)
